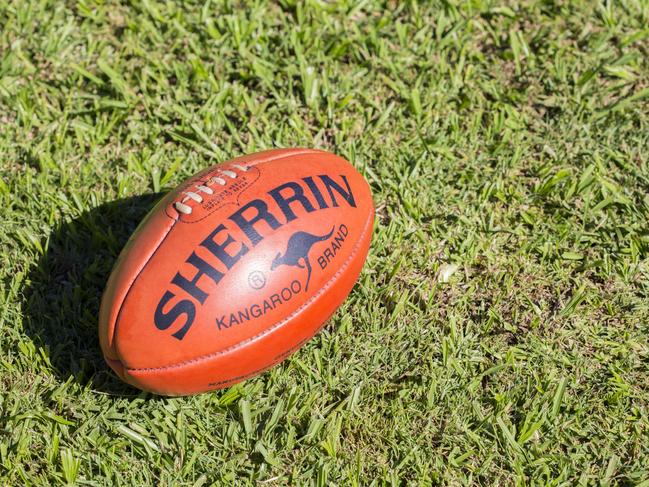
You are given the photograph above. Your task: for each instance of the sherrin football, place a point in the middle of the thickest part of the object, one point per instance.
(234, 270)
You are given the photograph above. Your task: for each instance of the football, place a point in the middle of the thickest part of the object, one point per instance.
(234, 270)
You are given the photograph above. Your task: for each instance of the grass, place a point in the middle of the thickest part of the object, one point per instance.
(506, 142)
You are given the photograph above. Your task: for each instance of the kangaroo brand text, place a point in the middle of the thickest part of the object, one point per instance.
(258, 309)
(333, 248)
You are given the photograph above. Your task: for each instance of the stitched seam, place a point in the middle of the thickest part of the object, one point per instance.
(277, 359)
(274, 158)
(132, 283)
(277, 325)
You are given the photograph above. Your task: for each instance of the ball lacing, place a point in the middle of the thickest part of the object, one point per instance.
(203, 187)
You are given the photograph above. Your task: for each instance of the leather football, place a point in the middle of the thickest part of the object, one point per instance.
(234, 270)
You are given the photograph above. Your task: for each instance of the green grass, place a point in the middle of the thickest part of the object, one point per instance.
(509, 141)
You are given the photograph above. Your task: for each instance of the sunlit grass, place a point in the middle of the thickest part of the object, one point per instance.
(499, 331)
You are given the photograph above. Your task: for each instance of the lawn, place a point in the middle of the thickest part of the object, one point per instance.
(499, 333)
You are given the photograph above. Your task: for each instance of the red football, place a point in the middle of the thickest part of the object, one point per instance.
(235, 269)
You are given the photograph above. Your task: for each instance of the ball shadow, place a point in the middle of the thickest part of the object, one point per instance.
(61, 304)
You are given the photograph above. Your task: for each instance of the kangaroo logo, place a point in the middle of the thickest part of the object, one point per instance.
(297, 250)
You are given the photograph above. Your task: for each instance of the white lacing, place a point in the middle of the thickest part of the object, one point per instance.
(203, 187)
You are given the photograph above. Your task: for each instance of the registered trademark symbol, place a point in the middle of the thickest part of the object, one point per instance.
(256, 279)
